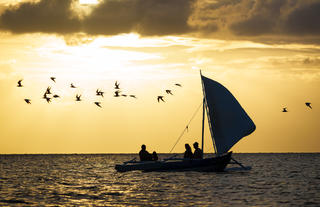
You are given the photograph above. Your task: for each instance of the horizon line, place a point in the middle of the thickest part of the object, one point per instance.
(130, 153)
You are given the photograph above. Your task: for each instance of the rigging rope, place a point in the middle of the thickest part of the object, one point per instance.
(186, 128)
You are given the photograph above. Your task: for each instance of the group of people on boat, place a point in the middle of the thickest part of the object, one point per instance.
(146, 156)
(197, 154)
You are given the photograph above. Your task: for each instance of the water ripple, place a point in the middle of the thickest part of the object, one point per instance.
(90, 180)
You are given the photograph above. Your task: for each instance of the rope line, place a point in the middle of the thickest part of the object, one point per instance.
(186, 128)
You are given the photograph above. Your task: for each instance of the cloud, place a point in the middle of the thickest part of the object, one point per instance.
(261, 18)
(273, 17)
(111, 17)
(47, 16)
(304, 20)
(314, 62)
(269, 21)
(151, 17)
(77, 39)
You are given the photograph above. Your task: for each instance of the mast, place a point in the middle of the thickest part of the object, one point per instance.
(203, 117)
(208, 116)
(203, 114)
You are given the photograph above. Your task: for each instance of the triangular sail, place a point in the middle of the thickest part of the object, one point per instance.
(227, 119)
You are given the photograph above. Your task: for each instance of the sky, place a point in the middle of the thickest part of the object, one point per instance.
(266, 52)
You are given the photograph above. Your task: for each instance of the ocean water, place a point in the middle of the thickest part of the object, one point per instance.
(90, 180)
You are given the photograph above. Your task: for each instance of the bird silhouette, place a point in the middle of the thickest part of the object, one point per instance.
(72, 86)
(56, 96)
(116, 85)
(133, 96)
(19, 83)
(284, 109)
(48, 91)
(124, 95)
(160, 98)
(78, 97)
(53, 79)
(178, 84)
(28, 101)
(169, 92)
(308, 104)
(116, 93)
(99, 92)
(98, 104)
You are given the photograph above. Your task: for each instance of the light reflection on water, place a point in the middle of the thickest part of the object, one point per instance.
(86, 180)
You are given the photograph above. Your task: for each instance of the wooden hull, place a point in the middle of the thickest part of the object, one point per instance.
(216, 164)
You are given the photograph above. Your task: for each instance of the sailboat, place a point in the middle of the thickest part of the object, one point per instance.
(228, 123)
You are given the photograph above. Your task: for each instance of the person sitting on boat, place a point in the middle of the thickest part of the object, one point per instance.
(188, 153)
(154, 156)
(197, 151)
(144, 154)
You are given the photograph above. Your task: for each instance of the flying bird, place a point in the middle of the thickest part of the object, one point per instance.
(56, 96)
(98, 104)
(178, 84)
(284, 109)
(72, 86)
(48, 91)
(160, 98)
(308, 104)
(53, 79)
(78, 97)
(99, 93)
(28, 101)
(19, 83)
(124, 95)
(116, 85)
(133, 96)
(116, 93)
(44, 95)
(169, 92)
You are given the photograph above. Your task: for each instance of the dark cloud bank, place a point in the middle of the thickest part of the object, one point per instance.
(48, 16)
(296, 20)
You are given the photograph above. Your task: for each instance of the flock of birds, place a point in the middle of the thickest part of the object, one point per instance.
(308, 104)
(117, 93)
(48, 96)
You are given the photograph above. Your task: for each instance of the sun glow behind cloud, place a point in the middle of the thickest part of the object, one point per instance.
(89, 1)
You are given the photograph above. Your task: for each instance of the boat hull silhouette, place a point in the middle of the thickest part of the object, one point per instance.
(215, 164)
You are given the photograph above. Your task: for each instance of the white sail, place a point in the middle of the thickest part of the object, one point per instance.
(227, 119)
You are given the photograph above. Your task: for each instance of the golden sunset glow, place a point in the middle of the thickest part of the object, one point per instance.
(88, 1)
(148, 53)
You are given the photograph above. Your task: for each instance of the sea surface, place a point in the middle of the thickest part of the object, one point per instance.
(91, 180)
